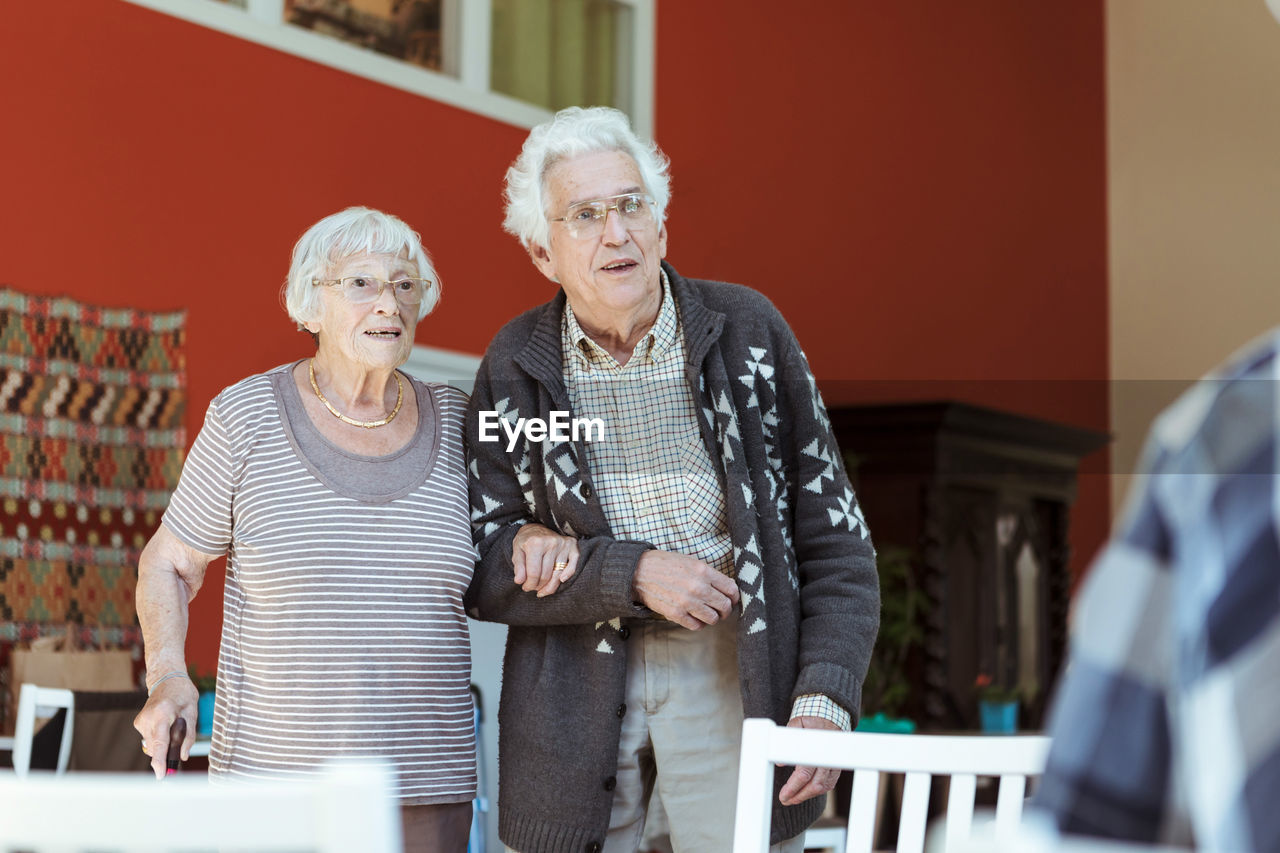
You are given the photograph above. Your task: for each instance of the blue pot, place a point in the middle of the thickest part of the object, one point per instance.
(999, 717)
(204, 708)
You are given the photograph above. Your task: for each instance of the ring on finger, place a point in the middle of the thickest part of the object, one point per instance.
(561, 565)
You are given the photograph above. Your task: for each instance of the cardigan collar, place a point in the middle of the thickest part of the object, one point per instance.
(542, 356)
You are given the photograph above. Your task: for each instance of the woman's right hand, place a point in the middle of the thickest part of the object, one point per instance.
(542, 558)
(170, 699)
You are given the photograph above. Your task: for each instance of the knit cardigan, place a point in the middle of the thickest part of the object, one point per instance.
(803, 557)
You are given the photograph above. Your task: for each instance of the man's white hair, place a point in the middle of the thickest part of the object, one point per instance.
(571, 133)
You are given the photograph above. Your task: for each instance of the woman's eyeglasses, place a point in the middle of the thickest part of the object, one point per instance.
(362, 289)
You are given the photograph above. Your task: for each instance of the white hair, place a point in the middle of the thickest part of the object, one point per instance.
(354, 231)
(571, 133)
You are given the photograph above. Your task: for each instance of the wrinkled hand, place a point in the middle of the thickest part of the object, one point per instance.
(683, 589)
(177, 696)
(535, 551)
(808, 782)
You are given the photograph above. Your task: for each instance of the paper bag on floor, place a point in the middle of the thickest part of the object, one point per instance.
(54, 662)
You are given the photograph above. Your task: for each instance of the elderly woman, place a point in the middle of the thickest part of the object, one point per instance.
(336, 487)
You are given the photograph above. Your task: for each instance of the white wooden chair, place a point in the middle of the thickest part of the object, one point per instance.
(349, 807)
(1037, 834)
(963, 758)
(35, 702)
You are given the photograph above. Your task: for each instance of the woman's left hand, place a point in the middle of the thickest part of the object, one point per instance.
(543, 559)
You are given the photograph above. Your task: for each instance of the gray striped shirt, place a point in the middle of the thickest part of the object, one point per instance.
(343, 629)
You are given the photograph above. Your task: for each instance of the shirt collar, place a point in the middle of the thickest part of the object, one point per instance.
(655, 344)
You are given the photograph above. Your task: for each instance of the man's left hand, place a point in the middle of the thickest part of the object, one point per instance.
(808, 782)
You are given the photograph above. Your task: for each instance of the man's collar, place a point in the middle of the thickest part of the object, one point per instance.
(660, 338)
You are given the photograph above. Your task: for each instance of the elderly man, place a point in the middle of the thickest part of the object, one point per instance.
(690, 556)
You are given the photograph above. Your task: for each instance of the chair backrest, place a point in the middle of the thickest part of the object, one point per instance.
(963, 758)
(105, 739)
(34, 702)
(348, 807)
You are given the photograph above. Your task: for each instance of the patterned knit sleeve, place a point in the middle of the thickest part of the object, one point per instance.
(200, 511)
(508, 490)
(839, 587)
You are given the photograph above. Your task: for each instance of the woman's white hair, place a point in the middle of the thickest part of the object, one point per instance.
(571, 133)
(354, 231)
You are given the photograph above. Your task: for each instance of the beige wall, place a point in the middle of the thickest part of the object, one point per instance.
(1194, 169)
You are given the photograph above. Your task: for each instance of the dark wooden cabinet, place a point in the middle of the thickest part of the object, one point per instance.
(982, 499)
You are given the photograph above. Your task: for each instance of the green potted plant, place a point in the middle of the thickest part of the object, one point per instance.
(205, 686)
(887, 688)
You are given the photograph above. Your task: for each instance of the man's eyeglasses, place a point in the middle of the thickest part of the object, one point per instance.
(586, 219)
(362, 289)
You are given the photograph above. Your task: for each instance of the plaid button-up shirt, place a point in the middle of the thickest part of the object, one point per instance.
(651, 470)
(1167, 724)
(653, 475)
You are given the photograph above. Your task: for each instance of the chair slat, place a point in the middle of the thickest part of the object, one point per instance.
(1009, 806)
(862, 811)
(915, 813)
(755, 788)
(964, 786)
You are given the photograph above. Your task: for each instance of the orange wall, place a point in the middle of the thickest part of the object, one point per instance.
(919, 186)
(150, 162)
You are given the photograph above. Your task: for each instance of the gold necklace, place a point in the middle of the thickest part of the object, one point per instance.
(311, 371)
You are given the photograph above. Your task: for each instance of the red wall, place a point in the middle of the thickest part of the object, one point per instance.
(919, 186)
(147, 161)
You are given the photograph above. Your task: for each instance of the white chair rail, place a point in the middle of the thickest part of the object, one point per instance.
(963, 758)
(36, 702)
(349, 807)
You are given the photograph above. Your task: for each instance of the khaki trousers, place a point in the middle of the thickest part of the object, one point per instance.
(681, 736)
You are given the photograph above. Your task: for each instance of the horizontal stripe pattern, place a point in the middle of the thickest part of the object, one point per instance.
(15, 487)
(66, 428)
(62, 307)
(343, 631)
(121, 377)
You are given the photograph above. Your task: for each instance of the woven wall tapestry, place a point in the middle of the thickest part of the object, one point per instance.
(91, 444)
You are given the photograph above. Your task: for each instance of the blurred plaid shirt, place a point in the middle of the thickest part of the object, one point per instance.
(1167, 724)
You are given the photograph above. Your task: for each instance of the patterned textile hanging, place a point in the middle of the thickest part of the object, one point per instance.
(92, 402)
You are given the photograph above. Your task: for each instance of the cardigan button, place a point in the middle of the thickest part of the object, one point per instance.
(624, 632)
(622, 710)
(611, 783)
(586, 494)
(593, 847)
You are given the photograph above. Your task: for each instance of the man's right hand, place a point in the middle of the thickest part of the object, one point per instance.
(683, 589)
